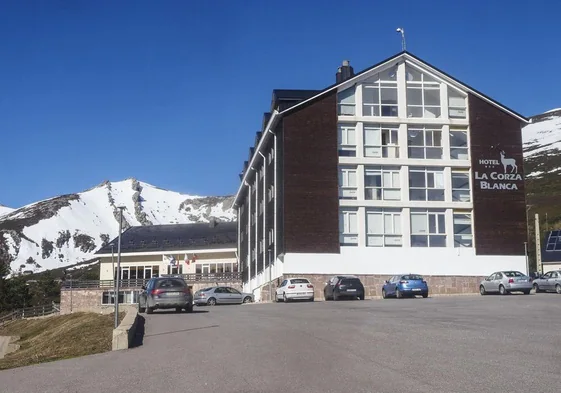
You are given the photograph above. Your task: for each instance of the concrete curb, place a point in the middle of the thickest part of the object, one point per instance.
(123, 336)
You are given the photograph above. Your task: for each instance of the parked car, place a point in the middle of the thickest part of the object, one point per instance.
(161, 293)
(550, 281)
(505, 282)
(295, 289)
(221, 295)
(403, 285)
(343, 287)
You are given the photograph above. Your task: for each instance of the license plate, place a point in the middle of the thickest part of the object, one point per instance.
(300, 293)
(522, 280)
(416, 289)
(351, 290)
(172, 293)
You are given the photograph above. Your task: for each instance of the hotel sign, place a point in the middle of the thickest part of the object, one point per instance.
(499, 174)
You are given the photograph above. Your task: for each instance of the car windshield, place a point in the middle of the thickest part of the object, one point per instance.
(412, 277)
(170, 283)
(513, 274)
(299, 281)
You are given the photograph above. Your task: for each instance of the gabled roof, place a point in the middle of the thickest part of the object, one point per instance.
(176, 237)
(408, 56)
(306, 97)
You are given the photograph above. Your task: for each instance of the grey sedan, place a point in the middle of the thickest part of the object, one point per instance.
(550, 281)
(505, 282)
(221, 295)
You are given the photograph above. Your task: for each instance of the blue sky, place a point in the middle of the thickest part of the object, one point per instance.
(172, 92)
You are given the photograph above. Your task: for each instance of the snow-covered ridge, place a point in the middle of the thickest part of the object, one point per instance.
(542, 143)
(68, 229)
(5, 210)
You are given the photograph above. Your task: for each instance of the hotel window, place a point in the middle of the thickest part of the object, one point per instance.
(460, 186)
(348, 227)
(346, 102)
(347, 183)
(270, 193)
(271, 237)
(456, 104)
(175, 269)
(380, 141)
(383, 228)
(428, 228)
(463, 236)
(459, 145)
(426, 184)
(423, 95)
(271, 155)
(261, 173)
(261, 205)
(424, 142)
(379, 95)
(347, 141)
(382, 183)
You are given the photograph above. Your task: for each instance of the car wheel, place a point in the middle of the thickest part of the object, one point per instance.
(536, 288)
(335, 297)
(361, 297)
(482, 290)
(502, 290)
(398, 293)
(211, 301)
(384, 295)
(141, 309)
(425, 295)
(526, 292)
(177, 309)
(149, 310)
(284, 298)
(277, 298)
(247, 299)
(558, 289)
(311, 299)
(189, 309)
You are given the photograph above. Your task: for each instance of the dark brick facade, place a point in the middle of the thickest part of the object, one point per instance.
(310, 183)
(499, 214)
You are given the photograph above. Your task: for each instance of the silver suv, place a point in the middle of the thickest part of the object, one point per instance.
(163, 293)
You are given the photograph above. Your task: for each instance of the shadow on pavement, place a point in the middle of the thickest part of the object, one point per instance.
(139, 334)
(182, 331)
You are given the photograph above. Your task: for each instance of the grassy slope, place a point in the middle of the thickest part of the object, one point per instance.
(58, 337)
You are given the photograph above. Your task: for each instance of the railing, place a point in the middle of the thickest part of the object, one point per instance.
(30, 312)
(138, 283)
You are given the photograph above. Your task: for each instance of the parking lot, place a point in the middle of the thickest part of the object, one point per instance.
(443, 344)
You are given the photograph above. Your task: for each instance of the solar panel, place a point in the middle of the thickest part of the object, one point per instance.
(550, 247)
(554, 233)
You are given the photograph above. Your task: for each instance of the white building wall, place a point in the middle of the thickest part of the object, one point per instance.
(390, 261)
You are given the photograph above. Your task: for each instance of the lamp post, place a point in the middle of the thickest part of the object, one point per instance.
(526, 256)
(70, 275)
(116, 295)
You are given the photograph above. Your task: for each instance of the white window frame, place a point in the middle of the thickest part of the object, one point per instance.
(381, 148)
(388, 190)
(346, 142)
(381, 82)
(427, 83)
(462, 239)
(457, 109)
(437, 174)
(391, 235)
(459, 192)
(346, 106)
(348, 236)
(461, 152)
(428, 147)
(347, 191)
(271, 237)
(432, 237)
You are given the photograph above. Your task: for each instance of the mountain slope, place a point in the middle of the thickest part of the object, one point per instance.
(542, 165)
(5, 210)
(68, 229)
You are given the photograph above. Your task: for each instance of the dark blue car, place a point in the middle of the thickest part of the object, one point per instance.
(405, 285)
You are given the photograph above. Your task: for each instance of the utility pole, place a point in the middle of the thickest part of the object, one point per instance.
(538, 245)
(118, 267)
(270, 273)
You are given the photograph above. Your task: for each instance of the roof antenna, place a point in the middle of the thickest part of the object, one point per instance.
(402, 31)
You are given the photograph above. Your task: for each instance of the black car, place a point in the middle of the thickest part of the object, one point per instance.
(343, 287)
(163, 293)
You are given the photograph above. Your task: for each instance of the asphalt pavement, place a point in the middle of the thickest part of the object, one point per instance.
(445, 344)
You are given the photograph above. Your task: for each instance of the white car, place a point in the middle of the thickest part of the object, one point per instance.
(295, 289)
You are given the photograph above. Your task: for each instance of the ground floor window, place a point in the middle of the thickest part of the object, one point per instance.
(138, 272)
(216, 268)
(348, 227)
(383, 227)
(125, 297)
(463, 235)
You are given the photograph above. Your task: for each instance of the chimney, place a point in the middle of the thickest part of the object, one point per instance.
(344, 72)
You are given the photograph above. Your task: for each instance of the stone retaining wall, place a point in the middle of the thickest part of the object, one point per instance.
(438, 285)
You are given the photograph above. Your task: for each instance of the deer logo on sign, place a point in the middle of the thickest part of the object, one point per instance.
(508, 162)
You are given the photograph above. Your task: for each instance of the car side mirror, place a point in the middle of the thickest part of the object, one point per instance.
(144, 287)
(387, 281)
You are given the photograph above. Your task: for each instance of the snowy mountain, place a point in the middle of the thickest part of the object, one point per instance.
(68, 229)
(542, 165)
(5, 210)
